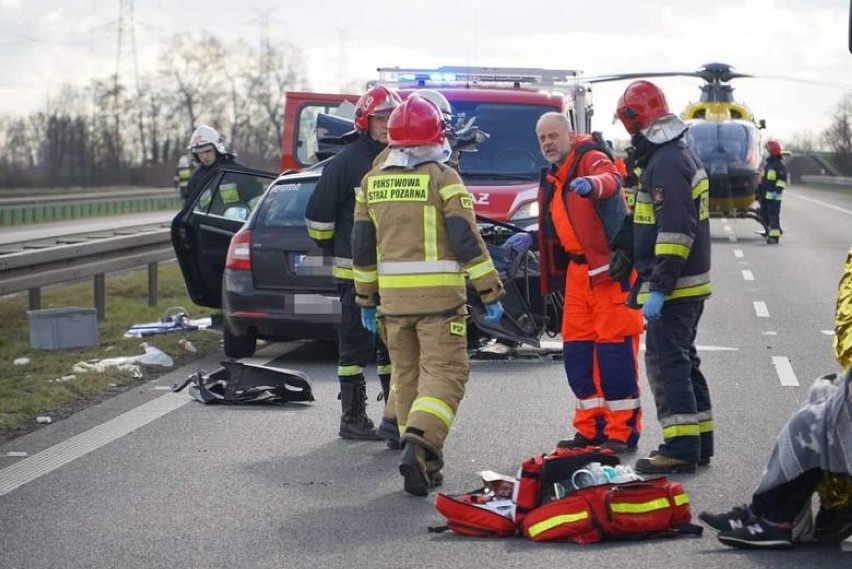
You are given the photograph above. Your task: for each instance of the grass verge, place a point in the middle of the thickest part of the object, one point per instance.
(44, 386)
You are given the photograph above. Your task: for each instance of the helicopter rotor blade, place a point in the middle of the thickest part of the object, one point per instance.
(627, 76)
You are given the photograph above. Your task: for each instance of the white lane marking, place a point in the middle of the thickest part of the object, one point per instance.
(769, 333)
(748, 276)
(555, 345)
(828, 332)
(760, 309)
(785, 372)
(727, 229)
(822, 203)
(732, 238)
(161, 388)
(61, 454)
(738, 253)
(16, 453)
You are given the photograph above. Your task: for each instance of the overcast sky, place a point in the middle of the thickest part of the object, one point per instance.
(44, 43)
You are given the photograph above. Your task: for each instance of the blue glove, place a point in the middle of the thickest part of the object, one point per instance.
(653, 307)
(520, 242)
(581, 186)
(493, 312)
(368, 319)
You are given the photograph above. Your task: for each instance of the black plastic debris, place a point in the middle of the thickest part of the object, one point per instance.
(238, 382)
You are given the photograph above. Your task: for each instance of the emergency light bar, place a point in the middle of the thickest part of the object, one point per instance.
(449, 74)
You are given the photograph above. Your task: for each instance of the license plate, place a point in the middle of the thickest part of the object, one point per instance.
(317, 304)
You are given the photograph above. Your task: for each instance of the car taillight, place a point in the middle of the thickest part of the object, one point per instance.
(239, 252)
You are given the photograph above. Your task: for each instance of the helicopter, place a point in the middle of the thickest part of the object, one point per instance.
(724, 134)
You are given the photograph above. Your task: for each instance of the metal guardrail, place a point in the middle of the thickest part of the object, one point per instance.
(31, 270)
(828, 181)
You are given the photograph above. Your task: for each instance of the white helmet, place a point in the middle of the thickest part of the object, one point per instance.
(183, 161)
(439, 99)
(204, 135)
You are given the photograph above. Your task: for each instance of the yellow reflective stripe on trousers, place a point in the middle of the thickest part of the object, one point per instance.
(342, 273)
(384, 370)
(349, 371)
(555, 521)
(430, 233)
(435, 407)
(365, 276)
(420, 280)
(591, 403)
(452, 191)
(674, 431)
(480, 269)
(705, 426)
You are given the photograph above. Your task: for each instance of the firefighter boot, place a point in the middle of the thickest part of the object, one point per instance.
(389, 427)
(354, 423)
(418, 466)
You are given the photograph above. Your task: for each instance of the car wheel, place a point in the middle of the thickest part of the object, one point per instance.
(238, 346)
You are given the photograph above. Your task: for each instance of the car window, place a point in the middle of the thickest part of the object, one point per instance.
(285, 204)
(311, 130)
(234, 195)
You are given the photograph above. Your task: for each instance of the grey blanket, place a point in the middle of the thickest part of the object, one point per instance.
(818, 435)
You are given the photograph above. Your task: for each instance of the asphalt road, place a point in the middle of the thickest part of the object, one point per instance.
(153, 479)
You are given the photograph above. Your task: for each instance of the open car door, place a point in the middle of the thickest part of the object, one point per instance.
(202, 230)
(312, 121)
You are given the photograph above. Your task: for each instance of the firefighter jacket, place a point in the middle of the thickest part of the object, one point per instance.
(574, 227)
(671, 225)
(774, 178)
(415, 239)
(203, 173)
(331, 207)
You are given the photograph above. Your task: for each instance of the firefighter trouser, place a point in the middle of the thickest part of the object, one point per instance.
(429, 369)
(357, 347)
(600, 351)
(772, 217)
(680, 389)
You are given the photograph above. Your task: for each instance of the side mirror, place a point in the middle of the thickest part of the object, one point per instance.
(761, 123)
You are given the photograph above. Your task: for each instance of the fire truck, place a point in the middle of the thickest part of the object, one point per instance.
(502, 174)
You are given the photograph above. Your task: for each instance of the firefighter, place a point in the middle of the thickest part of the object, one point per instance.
(181, 179)
(671, 236)
(771, 190)
(415, 238)
(208, 149)
(329, 218)
(581, 210)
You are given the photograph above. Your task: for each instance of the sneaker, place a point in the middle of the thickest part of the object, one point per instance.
(701, 461)
(618, 447)
(758, 534)
(579, 441)
(737, 518)
(660, 464)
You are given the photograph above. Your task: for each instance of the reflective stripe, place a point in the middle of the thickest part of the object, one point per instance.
(623, 404)
(675, 250)
(592, 403)
(359, 195)
(416, 267)
(480, 269)
(349, 371)
(452, 191)
(699, 179)
(435, 407)
(681, 499)
(781, 184)
(771, 175)
(643, 213)
(680, 431)
(342, 262)
(384, 370)
(320, 235)
(423, 280)
(402, 428)
(599, 270)
(674, 238)
(342, 273)
(705, 426)
(364, 276)
(640, 508)
(685, 287)
(555, 521)
(430, 233)
(682, 419)
(700, 187)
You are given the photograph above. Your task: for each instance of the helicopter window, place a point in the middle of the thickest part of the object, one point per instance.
(720, 140)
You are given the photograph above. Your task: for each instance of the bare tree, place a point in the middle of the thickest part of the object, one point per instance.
(838, 136)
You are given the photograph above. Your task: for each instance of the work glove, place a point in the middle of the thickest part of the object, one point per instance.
(653, 307)
(520, 242)
(368, 318)
(581, 186)
(493, 312)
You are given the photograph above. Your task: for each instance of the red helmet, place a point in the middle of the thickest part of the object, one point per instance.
(378, 99)
(416, 122)
(641, 104)
(773, 147)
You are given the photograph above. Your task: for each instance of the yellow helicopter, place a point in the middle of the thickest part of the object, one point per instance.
(725, 135)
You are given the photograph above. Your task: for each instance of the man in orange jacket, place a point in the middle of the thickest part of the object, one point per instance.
(581, 209)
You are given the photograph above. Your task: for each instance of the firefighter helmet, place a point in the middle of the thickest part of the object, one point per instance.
(378, 99)
(203, 136)
(641, 104)
(183, 161)
(773, 147)
(416, 122)
(436, 97)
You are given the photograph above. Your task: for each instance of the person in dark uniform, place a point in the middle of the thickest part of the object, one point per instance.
(771, 190)
(329, 217)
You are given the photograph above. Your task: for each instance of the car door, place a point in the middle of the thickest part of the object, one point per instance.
(202, 231)
(303, 127)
